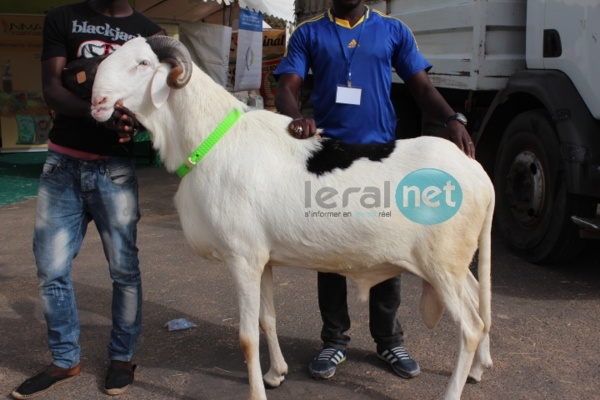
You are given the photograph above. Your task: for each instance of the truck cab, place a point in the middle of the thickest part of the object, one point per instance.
(522, 72)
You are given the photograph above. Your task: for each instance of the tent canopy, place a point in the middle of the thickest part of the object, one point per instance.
(175, 10)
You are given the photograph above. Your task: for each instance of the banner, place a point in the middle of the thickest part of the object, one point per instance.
(24, 117)
(284, 9)
(273, 49)
(248, 70)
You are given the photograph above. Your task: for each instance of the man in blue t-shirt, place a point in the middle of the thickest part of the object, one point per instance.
(89, 174)
(351, 50)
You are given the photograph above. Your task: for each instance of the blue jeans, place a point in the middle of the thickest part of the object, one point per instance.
(72, 193)
(384, 301)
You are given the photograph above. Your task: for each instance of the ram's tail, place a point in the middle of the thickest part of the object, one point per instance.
(485, 267)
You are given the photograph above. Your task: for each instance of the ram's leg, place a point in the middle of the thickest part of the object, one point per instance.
(483, 358)
(247, 277)
(430, 306)
(470, 329)
(279, 368)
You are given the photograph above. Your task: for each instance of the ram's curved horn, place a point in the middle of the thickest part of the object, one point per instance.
(172, 51)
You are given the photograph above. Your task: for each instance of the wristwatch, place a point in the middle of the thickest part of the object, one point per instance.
(457, 117)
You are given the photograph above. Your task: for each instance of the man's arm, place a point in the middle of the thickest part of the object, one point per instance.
(56, 96)
(288, 87)
(433, 104)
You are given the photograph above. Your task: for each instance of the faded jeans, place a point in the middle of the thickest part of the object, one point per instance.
(72, 193)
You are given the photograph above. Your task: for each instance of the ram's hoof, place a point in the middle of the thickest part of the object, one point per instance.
(271, 386)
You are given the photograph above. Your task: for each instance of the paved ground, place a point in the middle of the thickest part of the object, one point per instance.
(545, 340)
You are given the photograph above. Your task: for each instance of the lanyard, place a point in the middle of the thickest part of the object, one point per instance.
(349, 60)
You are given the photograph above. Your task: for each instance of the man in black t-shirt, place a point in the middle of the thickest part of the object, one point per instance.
(80, 31)
(89, 175)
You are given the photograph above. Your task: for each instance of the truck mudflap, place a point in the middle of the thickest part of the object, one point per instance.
(589, 228)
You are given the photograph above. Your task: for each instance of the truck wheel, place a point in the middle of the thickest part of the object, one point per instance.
(533, 208)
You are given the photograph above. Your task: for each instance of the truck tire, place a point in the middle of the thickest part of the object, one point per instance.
(533, 207)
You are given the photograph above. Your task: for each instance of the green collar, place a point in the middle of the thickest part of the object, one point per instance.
(208, 144)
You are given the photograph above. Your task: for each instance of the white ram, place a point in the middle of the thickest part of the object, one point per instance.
(251, 201)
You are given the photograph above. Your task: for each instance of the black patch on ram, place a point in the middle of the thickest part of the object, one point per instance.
(337, 154)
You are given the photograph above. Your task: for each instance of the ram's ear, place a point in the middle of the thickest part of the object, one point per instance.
(159, 90)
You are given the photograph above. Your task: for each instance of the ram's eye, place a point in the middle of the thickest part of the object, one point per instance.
(145, 62)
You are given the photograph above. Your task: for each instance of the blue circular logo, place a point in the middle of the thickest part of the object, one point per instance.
(428, 196)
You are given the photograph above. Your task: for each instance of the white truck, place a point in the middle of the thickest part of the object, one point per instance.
(525, 73)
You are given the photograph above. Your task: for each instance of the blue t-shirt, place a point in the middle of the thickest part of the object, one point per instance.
(379, 43)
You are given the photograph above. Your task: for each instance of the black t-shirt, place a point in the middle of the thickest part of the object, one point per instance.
(76, 31)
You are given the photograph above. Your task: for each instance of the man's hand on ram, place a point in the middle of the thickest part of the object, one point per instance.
(123, 122)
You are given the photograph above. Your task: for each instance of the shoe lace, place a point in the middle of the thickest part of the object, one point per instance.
(330, 354)
(397, 353)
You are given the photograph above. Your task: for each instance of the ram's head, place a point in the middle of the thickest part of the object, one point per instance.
(139, 74)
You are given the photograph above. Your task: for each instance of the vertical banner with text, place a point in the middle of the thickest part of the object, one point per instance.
(248, 70)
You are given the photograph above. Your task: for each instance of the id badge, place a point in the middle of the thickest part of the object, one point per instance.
(348, 95)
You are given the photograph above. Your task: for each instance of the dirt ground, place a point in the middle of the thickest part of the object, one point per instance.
(544, 338)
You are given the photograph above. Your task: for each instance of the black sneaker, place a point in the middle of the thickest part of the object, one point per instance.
(324, 365)
(119, 376)
(44, 381)
(401, 362)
